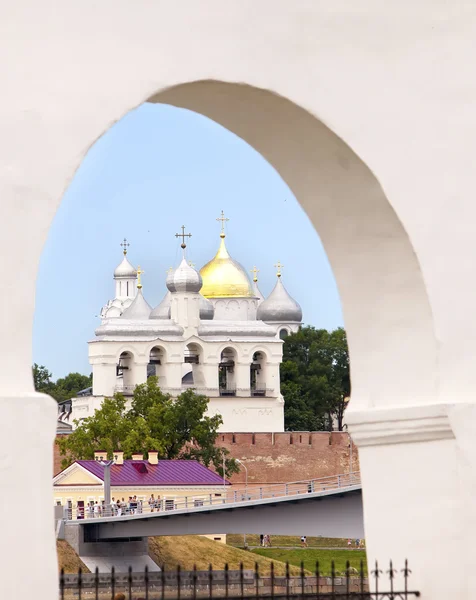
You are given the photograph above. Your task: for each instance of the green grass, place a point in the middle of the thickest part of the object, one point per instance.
(287, 540)
(309, 556)
(194, 550)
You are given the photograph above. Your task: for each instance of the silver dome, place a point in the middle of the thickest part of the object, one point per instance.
(207, 310)
(162, 310)
(184, 279)
(139, 309)
(279, 306)
(125, 269)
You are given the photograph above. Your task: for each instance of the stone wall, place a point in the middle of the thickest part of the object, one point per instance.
(290, 456)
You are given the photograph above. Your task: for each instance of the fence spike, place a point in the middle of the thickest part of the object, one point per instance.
(210, 580)
(347, 576)
(317, 578)
(287, 580)
(129, 581)
(113, 581)
(162, 581)
(80, 581)
(146, 581)
(272, 580)
(226, 580)
(62, 584)
(96, 583)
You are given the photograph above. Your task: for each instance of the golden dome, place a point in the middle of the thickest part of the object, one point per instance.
(223, 277)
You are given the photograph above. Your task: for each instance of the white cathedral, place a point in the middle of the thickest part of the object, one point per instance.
(213, 332)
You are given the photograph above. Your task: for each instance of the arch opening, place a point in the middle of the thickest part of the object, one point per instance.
(226, 372)
(371, 255)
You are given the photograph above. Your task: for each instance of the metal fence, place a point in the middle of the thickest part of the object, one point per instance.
(231, 495)
(390, 583)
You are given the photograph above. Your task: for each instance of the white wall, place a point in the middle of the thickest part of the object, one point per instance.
(393, 204)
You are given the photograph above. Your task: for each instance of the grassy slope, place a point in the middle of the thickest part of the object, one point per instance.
(190, 550)
(309, 556)
(288, 540)
(68, 559)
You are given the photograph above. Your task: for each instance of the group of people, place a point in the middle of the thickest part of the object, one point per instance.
(358, 543)
(120, 507)
(265, 540)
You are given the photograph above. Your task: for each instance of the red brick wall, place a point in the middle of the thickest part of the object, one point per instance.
(290, 456)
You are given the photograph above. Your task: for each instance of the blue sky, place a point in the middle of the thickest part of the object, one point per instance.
(161, 167)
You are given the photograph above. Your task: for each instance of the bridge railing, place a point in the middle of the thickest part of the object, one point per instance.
(229, 495)
(235, 495)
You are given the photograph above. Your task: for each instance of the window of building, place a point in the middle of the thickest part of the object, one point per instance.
(283, 334)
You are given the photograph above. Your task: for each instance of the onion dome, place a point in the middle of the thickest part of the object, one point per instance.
(125, 269)
(162, 310)
(279, 306)
(184, 279)
(207, 310)
(224, 277)
(139, 309)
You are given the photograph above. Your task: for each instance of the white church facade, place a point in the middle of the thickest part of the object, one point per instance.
(213, 332)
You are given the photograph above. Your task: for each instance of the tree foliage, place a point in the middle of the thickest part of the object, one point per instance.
(315, 379)
(64, 388)
(173, 427)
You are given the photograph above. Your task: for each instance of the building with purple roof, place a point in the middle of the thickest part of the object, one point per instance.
(137, 485)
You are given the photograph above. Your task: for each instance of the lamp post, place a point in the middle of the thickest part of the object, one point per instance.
(224, 479)
(107, 484)
(246, 490)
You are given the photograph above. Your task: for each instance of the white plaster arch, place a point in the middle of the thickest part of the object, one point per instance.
(374, 81)
(194, 342)
(259, 348)
(157, 344)
(238, 353)
(130, 349)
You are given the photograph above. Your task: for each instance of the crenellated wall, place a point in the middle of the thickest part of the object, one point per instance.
(290, 456)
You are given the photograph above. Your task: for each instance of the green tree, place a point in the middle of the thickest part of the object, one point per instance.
(173, 427)
(64, 388)
(69, 386)
(315, 378)
(42, 379)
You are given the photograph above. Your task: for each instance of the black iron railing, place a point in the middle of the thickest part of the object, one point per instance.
(391, 583)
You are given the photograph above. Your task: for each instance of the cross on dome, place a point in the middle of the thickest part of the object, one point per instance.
(255, 272)
(279, 266)
(183, 235)
(125, 244)
(223, 220)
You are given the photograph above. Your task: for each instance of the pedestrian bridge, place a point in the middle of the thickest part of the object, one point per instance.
(329, 507)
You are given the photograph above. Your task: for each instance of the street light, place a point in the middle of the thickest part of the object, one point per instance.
(246, 490)
(107, 483)
(246, 475)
